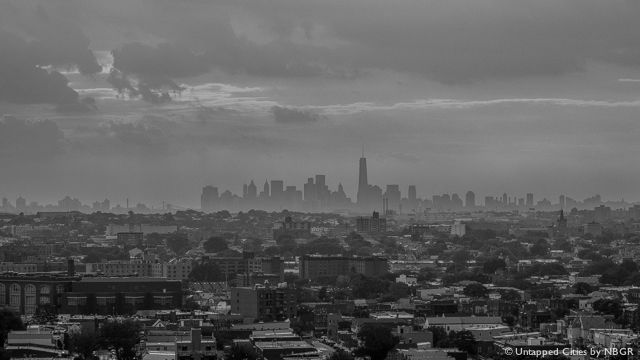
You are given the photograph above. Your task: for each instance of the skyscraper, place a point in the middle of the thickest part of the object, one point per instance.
(393, 196)
(310, 191)
(252, 190)
(363, 182)
(411, 194)
(208, 198)
(470, 200)
(277, 191)
(529, 200)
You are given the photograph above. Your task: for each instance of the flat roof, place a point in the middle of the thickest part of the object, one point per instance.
(283, 344)
(126, 279)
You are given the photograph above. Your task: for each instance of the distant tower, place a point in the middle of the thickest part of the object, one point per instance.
(529, 200)
(561, 224)
(21, 203)
(265, 189)
(470, 200)
(411, 194)
(363, 182)
(208, 198)
(252, 190)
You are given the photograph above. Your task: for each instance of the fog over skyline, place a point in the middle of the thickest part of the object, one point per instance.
(153, 99)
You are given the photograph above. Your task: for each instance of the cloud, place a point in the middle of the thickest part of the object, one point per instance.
(453, 42)
(138, 137)
(287, 115)
(444, 104)
(59, 42)
(24, 81)
(29, 140)
(457, 41)
(158, 62)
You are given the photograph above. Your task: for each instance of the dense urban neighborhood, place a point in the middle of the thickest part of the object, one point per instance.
(465, 284)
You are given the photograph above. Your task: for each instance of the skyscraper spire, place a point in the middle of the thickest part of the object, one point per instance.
(363, 182)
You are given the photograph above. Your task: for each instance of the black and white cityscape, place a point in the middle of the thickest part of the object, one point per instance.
(319, 179)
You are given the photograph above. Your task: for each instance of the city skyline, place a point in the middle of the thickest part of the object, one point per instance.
(316, 196)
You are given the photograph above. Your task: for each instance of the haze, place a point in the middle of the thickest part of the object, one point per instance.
(166, 96)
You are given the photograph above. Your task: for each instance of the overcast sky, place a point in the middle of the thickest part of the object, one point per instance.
(493, 96)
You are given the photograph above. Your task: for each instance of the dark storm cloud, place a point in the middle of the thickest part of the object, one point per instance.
(52, 37)
(31, 39)
(287, 115)
(455, 41)
(60, 43)
(158, 64)
(30, 140)
(21, 81)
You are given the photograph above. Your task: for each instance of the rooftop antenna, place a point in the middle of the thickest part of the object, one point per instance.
(362, 150)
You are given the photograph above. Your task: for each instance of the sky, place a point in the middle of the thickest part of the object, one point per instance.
(153, 99)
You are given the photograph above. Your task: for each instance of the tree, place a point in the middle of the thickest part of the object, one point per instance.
(464, 341)
(540, 248)
(426, 274)
(286, 243)
(178, 244)
(239, 352)
(510, 295)
(460, 259)
(396, 291)
(608, 307)
(8, 322)
(83, 344)
(582, 288)
(475, 290)
(368, 288)
(377, 341)
(215, 244)
(492, 265)
(206, 271)
(121, 337)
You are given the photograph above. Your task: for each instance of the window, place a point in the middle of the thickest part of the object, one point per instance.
(76, 300)
(3, 294)
(163, 300)
(29, 299)
(105, 300)
(134, 300)
(14, 296)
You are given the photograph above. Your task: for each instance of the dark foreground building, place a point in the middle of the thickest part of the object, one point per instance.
(27, 294)
(121, 295)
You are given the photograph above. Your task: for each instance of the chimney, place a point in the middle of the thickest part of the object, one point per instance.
(71, 267)
(196, 340)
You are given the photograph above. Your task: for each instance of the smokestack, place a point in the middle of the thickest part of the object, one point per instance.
(71, 267)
